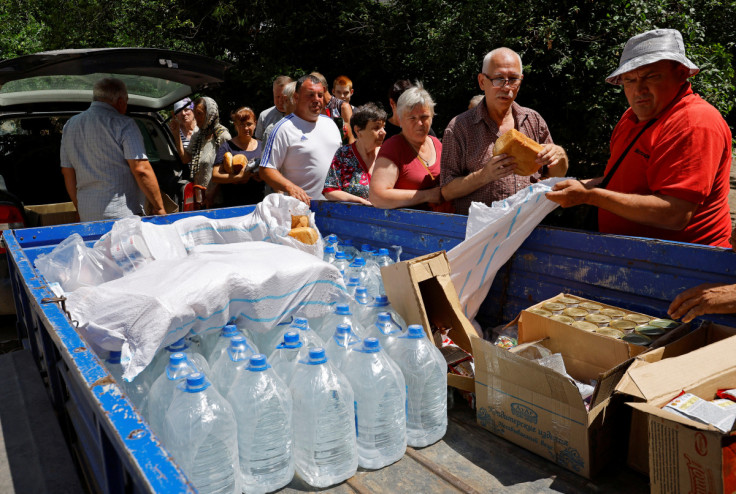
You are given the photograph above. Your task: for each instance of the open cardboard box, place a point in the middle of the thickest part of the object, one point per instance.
(542, 410)
(708, 333)
(51, 214)
(684, 455)
(421, 291)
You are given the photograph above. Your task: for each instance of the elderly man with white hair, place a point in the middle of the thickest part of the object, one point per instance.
(470, 172)
(103, 159)
(668, 174)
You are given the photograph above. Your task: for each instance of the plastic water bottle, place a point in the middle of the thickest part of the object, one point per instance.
(425, 373)
(137, 389)
(325, 450)
(386, 330)
(341, 263)
(342, 315)
(329, 254)
(380, 400)
(352, 286)
(346, 245)
(223, 342)
(332, 240)
(380, 304)
(360, 305)
(284, 357)
(357, 269)
(231, 363)
(200, 431)
(307, 335)
(161, 361)
(162, 390)
(263, 402)
(341, 343)
(381, 259)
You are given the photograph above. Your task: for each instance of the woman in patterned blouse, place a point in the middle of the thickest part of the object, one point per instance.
(352, 166)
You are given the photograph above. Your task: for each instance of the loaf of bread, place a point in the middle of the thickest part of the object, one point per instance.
(522, 148)
(299, 221)
(233, 164)
(305, 235)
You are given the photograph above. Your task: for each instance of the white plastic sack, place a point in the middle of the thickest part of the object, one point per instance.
(132, 243)
(492, 236)
(257, 283)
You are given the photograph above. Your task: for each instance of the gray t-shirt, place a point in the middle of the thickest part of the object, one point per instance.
(266, 119)
(96, 144)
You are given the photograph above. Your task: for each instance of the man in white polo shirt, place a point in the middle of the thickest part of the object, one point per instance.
(301, 146)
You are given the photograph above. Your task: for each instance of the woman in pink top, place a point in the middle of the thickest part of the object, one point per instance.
(407, 169)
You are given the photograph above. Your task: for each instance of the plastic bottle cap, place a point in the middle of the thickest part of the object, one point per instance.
(300, 321)
(258, 363)
(177, 358)
(331, 238)
(366, 248)
(330, 249)
(371, 345)
(381, 300)
(178, 346)
(196, 382)
(361, 290)
(317, 356)
(229, 330)
(384, 317)
(340, 255)
(342, 309)
(342, 329)
(382, 252)
(237, 340)
(354, 280)
(359, 261)
(416, 331)
(291, 339)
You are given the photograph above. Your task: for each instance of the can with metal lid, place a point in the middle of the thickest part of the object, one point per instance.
(584, 325)
(664, 323)
(613, 313)
(576, 313)
(637, 339)
(598, 319)
(651, 331)
(541, 312)
(554, 307)
(590, 307)
(639, 319)
(623, 325)
(610, 332)
(568, 301)
(563, 319)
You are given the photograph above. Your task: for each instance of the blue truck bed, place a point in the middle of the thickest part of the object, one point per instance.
(118, 453)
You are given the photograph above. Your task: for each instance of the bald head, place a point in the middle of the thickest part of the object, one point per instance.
(502, 53)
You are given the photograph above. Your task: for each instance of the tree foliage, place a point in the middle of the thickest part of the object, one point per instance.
(567, 47)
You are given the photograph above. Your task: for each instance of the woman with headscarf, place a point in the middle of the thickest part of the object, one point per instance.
(202, 149)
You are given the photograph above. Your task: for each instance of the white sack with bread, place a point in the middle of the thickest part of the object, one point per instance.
(523, 149)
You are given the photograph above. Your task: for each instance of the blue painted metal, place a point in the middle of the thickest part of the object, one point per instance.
(119, 452)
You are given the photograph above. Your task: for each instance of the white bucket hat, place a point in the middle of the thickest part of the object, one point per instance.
(650, 47)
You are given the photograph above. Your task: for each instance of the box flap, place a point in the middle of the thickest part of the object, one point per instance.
(664, 414)
(626, 385)
(607, 383)
(669, 376)
(495, 363)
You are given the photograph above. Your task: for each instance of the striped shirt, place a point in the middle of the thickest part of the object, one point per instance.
(96, 144)
(467, 146)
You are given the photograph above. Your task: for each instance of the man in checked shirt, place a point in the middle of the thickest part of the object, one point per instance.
(470, 172)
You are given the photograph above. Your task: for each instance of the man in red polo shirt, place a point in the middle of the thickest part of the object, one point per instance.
(674, 150)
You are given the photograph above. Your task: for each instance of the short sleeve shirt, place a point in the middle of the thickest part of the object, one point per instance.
(302, 151)
(96, 144)
(468, 144)
(413, 175)
(685, 154)
(348, 173)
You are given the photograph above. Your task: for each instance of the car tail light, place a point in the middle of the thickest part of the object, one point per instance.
(10, 217)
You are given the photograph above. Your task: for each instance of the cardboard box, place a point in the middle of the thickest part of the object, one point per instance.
(541, 410)
(684, 455)
(421, 291)
(51, 214)
(708, 333)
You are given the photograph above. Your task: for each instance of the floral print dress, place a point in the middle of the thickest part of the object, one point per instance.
(348, 173)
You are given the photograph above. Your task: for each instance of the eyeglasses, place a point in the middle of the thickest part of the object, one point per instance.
(513, 82)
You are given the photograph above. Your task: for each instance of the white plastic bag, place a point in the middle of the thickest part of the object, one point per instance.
(73, 265)
(492, 236)
(257, 283)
